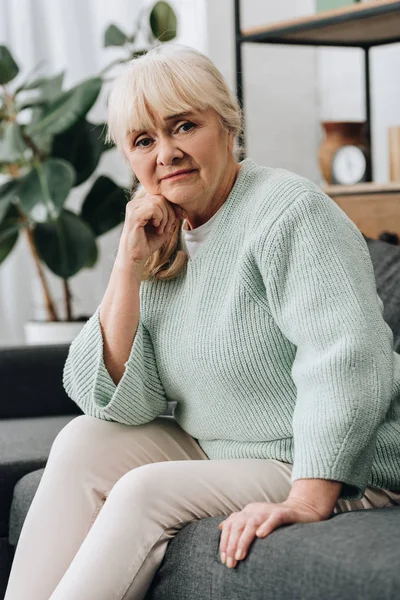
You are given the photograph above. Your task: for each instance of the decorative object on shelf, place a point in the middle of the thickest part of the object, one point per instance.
(350, 165)
(394, 153)
(323, 5)
(48, 147)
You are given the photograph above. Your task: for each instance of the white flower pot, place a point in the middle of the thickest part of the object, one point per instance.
(51, 332)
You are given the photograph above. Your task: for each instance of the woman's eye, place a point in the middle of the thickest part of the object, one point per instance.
(191, 125)
(138, 143)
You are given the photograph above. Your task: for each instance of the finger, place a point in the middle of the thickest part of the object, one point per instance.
(223, 543)
(245, 540)
(274, 521)
(148, 212)
(172, 220)
(164, 216)
(234, 536)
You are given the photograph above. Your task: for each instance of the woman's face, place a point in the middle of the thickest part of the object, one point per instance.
(193, 141)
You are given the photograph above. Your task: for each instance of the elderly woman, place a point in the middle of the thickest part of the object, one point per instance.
(247, 296)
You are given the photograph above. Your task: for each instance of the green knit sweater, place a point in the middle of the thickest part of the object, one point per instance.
(271, 341)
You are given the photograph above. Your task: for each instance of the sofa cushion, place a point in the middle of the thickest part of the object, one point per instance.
(24, 492)
(386, 262)
(351, 556)
(6, 558)
(24, 447)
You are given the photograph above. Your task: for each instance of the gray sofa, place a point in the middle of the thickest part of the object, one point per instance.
(352, 556)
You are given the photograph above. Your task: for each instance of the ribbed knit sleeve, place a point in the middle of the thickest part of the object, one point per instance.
(139, 396)
(321, 291)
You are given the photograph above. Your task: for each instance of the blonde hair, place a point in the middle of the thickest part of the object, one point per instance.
(169, 79)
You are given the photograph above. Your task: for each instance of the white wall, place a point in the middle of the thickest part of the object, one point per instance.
(279, 84)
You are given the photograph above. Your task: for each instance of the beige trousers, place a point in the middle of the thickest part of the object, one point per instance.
(112, 496)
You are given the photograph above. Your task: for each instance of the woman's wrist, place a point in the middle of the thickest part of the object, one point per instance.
(319, 495)
(122, 265)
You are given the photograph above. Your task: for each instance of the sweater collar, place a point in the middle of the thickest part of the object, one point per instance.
(247, 167)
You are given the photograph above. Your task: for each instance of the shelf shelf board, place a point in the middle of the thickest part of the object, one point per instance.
(360, 25)
(362, 189)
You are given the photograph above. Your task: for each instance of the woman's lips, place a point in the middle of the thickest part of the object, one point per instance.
(180, 176)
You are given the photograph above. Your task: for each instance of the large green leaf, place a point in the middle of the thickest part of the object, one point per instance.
(114, 36)
(92, 258)
(8, 66)
(44, 189)
(9, 232)
(42, 140)
(12, 145)
(163, 22)
(45, 90)
(65, 245)
(7, 191)
(48, 86)
(67, 108)
(29, 76)
(81, 145)
(104, 206)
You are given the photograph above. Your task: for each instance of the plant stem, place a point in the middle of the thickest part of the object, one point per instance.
(67, 299)
(30, 143)
(49, 304)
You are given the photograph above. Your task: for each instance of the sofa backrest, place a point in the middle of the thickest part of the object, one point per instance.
(31, 382)
(386, 262)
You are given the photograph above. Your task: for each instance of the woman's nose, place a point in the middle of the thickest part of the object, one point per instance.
(168, 151)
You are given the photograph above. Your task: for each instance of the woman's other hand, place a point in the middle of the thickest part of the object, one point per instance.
(259, 519)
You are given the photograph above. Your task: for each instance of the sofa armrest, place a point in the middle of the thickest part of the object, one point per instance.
(31, 382)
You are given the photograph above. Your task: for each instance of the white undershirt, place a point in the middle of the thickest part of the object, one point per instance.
(192, 239)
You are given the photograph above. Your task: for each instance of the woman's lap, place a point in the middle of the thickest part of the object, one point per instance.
(163, 432)
(108, 486)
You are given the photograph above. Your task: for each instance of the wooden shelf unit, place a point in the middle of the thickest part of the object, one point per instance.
(373, 207)
(362, 25)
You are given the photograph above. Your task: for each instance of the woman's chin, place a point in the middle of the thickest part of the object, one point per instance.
(178, 199)
(177, 206)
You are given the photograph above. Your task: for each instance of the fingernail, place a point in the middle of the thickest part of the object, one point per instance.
(223, 557)
(229, 562)
(239, 554)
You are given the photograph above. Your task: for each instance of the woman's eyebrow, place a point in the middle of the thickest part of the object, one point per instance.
(182, 114)
(169, 118)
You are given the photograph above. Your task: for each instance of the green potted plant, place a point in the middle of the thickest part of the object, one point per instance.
(48, 147)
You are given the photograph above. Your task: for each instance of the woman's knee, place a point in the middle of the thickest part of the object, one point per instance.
(144, 486)
(82, 439)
